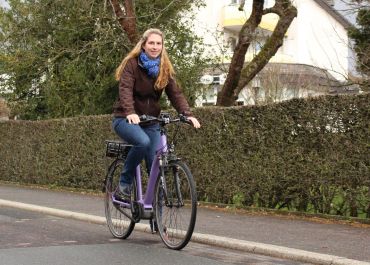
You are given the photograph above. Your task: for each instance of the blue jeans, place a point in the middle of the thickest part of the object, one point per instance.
(145, 141)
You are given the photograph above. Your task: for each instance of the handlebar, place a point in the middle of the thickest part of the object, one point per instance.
(164, 118)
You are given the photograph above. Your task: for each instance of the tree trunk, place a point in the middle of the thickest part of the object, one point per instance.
(225, 96)
(238, 77)
(127, 19)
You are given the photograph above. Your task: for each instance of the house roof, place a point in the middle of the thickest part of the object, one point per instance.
(339, 17)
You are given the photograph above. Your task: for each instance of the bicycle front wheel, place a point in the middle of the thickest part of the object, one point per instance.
(119, 224)
(175, 205)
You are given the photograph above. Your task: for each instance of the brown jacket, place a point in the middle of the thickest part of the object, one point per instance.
(137, 94)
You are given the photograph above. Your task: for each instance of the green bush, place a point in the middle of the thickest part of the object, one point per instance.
(304, 154)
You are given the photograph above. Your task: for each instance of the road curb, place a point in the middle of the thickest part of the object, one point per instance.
(230, 243)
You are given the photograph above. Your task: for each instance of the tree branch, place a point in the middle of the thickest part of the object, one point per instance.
(238, 77)
(126, 18)
(289, 12)
(225, 96)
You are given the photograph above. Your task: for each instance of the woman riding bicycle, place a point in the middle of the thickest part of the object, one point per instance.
(143, 75)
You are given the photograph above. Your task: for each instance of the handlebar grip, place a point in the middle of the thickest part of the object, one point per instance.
(184, 119)
(165, 119)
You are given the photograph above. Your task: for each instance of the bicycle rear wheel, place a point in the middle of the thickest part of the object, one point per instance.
(117, 220)
(176, 217)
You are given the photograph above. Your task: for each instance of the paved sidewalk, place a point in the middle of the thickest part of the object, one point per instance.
(242, 230)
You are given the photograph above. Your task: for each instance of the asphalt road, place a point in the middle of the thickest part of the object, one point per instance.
(314, 235)
(29, 238)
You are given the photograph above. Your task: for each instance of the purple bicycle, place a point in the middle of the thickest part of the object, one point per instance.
(170, 199)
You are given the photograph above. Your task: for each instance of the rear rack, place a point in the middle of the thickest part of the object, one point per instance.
(115, 148)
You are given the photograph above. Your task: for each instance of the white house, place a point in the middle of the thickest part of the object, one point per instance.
(316, 49)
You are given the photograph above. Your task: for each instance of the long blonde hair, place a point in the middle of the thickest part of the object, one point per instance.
(166, 70)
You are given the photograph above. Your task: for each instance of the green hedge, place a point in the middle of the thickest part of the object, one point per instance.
(64, 152)
(305, 154)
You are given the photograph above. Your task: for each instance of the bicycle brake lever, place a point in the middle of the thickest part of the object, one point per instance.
(185, 119)
(182, 117)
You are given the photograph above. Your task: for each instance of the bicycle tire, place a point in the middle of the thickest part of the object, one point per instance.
(176, 221)
(118, 223)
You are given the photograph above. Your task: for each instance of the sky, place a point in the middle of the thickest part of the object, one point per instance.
(346, 8)
(3, 3)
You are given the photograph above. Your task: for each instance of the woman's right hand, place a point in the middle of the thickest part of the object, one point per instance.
(133, 119)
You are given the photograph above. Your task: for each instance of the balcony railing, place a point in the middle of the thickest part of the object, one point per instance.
(277, 58)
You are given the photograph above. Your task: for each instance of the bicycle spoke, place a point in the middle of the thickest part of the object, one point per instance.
(175, 202)
(176, 220)
(119, 219)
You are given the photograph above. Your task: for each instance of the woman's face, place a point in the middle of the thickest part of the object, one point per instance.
(153, 45)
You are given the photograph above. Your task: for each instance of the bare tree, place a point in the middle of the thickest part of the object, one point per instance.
(238, 75)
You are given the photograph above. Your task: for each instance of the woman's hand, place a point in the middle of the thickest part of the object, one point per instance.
(194, 121)
(133, 119)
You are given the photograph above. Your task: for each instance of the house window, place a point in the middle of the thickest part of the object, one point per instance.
(216, 79)
(234, 2)
(287, 93)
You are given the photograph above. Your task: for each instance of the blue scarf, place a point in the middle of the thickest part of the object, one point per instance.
(150, 65)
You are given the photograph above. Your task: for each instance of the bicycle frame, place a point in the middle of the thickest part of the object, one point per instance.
(161, 205)
(146, 200)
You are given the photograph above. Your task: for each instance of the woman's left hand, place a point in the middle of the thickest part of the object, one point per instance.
(194, 121)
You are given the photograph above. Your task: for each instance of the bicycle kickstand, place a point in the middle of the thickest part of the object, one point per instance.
(153, 226)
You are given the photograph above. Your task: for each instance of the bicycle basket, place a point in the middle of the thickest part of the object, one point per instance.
(116, 148)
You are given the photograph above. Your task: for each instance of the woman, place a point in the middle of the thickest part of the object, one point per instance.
(143, 75)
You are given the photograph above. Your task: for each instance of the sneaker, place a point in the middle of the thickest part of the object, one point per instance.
(124, 192)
